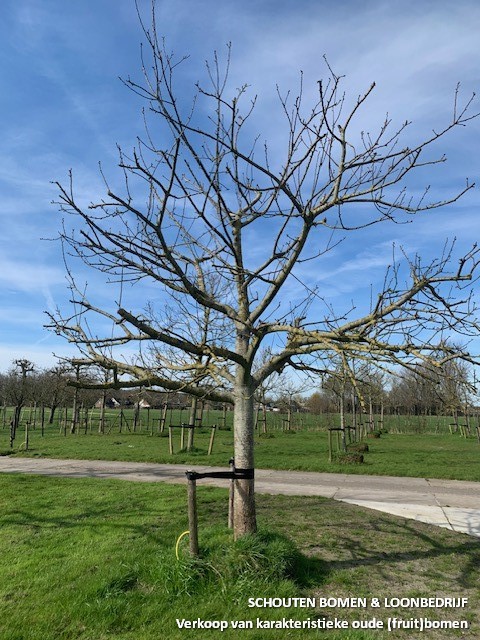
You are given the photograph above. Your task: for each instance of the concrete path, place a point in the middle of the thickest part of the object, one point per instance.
(443, 503)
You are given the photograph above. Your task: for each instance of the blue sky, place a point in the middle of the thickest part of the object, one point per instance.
(63, 106)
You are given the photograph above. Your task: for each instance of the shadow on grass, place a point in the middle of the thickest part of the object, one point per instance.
(421, 547)
(338, 539)
(95, 520)
(47, 505)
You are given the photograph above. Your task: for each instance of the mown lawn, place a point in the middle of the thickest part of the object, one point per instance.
(95, 560)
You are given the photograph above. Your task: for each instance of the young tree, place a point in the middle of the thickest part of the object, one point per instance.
(197, 190)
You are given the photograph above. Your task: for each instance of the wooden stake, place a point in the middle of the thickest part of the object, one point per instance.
(192, 516)
(182, 438)
(224, 416)
(170, 441)
(212, 438)
(163, 419)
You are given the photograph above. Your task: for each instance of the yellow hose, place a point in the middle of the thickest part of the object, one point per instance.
(178, 542)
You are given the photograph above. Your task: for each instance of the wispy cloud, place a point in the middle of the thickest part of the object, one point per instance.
(18, 277)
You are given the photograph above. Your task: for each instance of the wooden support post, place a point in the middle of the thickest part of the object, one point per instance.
(192, 516)
(182, 438)
(329, 445)
(42, 419)
(163, 419)
(170, 441)
(212, 438)
(224, 416)
(26, 435)
(34, 423)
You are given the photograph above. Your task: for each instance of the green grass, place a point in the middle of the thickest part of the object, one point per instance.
(95, 560)
(422, 454)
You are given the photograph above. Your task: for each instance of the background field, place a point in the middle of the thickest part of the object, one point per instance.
(418, 446)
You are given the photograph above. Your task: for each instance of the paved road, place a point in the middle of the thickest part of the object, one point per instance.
(444, 503)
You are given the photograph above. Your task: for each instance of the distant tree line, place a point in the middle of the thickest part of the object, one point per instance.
(418, 391)
(449, 390)
(24, 384)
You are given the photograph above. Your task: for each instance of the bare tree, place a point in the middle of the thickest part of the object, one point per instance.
(18, 391)
(441, 389)
(319, 403)
(198, 189)
(54, 389)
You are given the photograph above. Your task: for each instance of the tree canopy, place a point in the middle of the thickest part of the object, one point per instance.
(221, 225)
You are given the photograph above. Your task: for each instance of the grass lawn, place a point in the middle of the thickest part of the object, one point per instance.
(421, 454)
(95, 560)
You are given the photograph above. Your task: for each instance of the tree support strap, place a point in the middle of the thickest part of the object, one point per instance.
(235, 474)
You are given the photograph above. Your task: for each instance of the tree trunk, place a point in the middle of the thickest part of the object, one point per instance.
(244, 520)
(192, 422)
(264, 418)
(53, 408)
(101, 422)
(14, 424)
(74, 422)
(136, 416)
(354, 417)
(342, 421)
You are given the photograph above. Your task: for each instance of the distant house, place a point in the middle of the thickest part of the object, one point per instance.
(143, 404)
(110, 403)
